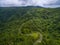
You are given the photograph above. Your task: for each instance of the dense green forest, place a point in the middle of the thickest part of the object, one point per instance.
(29, 26)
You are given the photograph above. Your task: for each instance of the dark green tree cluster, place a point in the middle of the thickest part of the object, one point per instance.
(19, 26)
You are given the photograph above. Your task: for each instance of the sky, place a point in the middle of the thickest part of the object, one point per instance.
(42, 3)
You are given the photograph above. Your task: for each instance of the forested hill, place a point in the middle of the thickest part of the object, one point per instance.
(29, 26)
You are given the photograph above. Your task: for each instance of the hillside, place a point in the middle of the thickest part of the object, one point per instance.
(29, 26)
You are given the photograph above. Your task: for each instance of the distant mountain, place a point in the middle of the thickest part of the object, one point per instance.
(25, 7)
(34, 6)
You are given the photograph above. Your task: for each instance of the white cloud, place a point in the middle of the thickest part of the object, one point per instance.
(44, 3)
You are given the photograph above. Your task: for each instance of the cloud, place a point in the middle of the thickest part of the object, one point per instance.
(43, 3)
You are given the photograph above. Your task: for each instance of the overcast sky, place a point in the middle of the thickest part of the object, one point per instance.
(43, 3)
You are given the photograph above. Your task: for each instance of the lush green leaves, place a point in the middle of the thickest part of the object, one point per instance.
(19, 26)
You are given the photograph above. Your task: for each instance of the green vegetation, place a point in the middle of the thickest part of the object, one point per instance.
(26, 26)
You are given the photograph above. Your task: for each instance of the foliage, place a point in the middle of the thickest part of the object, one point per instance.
(17, 23)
